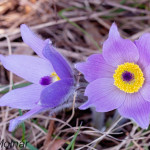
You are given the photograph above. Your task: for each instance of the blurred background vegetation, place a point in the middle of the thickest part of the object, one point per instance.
(78, 29)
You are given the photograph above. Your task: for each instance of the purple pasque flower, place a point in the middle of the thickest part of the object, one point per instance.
(51, 75)
(119, 78)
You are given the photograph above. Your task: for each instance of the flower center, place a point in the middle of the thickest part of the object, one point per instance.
(128, 77)
(46, 80)
(55, 77)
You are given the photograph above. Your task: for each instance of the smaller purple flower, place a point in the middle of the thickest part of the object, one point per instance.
(49, 74)
(119, 78)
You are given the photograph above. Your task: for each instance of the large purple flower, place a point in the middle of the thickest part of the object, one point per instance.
(120, 77)
(51, 75)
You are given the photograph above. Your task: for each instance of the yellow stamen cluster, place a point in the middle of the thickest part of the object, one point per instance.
(135, 84)
(55, 77)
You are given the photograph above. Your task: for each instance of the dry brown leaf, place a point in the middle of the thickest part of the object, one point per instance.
(23, 50)
(57, 144)
(49, 134)
(93, 32)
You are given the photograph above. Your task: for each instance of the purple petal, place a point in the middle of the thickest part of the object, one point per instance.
(103, 95)
(32, 40)
(136, 108)
(145, 91)
(15, 122)
(60, 64)
(146, 86)
(28, 67)
(56, 93)
(22, 98)
(117, 50)
(95, 67)
(144, 49)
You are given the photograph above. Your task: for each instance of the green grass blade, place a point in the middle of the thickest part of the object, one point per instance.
(15, 87)
(72, 143)
(23, 127)
(60, 13)
(31, 147)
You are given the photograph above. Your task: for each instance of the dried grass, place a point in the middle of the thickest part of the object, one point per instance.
(77, 32)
